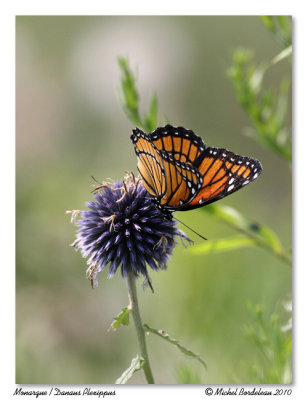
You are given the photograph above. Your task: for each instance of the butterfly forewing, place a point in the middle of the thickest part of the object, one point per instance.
(182, 144)
(150, 164)
(171, 181)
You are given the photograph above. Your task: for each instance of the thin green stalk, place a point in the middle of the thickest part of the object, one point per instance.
(132, 292)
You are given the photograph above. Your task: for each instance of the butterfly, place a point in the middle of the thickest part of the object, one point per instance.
(181, 173)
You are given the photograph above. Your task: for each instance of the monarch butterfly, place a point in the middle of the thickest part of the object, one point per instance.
(181, 173)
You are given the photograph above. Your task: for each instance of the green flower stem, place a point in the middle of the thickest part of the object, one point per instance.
(131, 284)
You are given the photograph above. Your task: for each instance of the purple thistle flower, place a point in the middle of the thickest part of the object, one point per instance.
(124, 228)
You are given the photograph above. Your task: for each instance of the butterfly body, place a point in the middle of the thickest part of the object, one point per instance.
(181, 173)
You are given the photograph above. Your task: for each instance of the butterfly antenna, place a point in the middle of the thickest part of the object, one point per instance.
(202, 237)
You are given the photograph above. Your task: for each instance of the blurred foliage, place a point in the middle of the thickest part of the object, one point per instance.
(221, 245)
(280, 26)
(130, 99)
(256, 234)
(267, 109)
(186, 375)
(274, 343)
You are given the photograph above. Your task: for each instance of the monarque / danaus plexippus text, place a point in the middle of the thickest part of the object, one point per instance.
(181, 173)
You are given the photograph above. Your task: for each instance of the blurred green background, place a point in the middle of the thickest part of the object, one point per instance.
(70, 126)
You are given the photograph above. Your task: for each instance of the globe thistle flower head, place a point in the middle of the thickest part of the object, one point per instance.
(124, 229)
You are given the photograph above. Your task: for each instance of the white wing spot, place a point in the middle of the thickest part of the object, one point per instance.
(245, 183)
(189, 184)
(230, 188)
(193, 190)
(231, 180)
(255, 176)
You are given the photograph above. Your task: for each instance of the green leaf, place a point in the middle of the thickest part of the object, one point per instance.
(280, 26)
(151, 118)
(256, 78)
(183, 349)
(221, 245)
(135, 366)
(245, 225)
(260, 234)
(121, 319)
(268, 22)
(129, 95)
(281, 111)
(282, 55)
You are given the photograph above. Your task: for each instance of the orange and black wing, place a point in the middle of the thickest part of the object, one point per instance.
(183, 181)
(223, 173)
(150, 164)
(182, 144)
(170, 181)
(181, 174)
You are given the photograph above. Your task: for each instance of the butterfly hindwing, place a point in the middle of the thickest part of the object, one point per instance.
(183, 182)
(223, 173)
